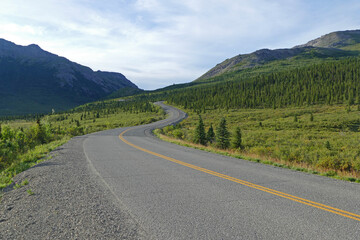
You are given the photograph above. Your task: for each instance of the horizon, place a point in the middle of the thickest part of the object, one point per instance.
(158, 43)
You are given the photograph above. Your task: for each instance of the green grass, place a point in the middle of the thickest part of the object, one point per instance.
(273, 137)
(59, 128)
(20, 124)
(30, 192)
(355, 47)
(94, 124)
(27, 160)
(23, 183)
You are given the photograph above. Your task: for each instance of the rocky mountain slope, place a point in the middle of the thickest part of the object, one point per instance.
(335, 40)
(337, 44)
(35, 81)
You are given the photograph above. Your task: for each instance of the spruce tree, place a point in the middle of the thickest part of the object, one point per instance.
(200, 135)
(210, 136)
(237, 141)
(222, 135)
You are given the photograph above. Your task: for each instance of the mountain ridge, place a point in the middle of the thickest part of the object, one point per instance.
(335, 39)
(39, 81)
(334, 44)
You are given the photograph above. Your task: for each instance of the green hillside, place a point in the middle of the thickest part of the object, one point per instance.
(333, 82)
(327, 82)
(305, 118)
(331, 46)
(265, 60)
(295, 108)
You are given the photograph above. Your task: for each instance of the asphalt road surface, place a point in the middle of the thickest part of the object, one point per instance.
(174, 192)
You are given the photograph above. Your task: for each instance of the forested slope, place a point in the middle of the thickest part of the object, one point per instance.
(334, 82)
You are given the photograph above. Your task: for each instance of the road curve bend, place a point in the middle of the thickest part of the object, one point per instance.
(174, 192)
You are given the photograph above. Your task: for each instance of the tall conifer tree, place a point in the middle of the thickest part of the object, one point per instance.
(210, 134)
(200, 135)
(237, 142)
(222, 135)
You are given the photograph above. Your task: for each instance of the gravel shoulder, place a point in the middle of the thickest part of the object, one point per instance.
(69, 201)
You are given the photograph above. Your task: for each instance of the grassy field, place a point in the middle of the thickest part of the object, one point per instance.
(24, 144)
(319, 139)
(77, 123)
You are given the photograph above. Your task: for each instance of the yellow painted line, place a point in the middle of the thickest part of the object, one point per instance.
(249, 184)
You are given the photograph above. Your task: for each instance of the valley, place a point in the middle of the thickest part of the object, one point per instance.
(278, 132)
(134, 186)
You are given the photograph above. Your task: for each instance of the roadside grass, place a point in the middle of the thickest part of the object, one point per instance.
(23, 183)
(20, 124)
(328, 144)
(59, 128)
(30, 192)
(27, 160)
(75, 123)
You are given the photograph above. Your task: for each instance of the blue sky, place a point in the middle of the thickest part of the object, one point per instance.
(156, 43)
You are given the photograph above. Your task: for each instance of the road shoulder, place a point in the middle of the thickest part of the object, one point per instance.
(64, 199)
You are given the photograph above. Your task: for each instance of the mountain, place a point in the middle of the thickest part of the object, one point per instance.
(244, 61)
(335, 40)
(333, 45)
(36, 81)
(302, 75)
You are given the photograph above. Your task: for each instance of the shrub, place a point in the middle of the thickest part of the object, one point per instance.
(178, 133)
(75, 131)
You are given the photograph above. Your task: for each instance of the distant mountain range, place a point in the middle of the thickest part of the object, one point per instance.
(35, 81)
(336, 44)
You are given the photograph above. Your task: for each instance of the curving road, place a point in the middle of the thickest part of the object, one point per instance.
(174, 192)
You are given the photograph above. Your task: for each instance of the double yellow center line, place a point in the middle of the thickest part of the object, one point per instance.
(249, 184)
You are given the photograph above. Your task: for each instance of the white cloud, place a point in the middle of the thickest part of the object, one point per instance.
(13, 29)
(157, 42)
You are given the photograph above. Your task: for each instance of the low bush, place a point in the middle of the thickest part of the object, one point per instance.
(23, 144)
(323, 139)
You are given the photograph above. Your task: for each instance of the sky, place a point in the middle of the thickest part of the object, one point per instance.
(156, 43)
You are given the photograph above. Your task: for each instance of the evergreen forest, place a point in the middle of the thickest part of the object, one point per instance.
(334, 82)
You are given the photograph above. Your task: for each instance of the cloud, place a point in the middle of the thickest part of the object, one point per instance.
(157, 42)
(12, 28)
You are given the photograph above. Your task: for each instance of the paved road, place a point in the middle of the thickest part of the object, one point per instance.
(175, 192)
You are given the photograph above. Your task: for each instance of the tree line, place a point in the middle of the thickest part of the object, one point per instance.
(335, 82)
